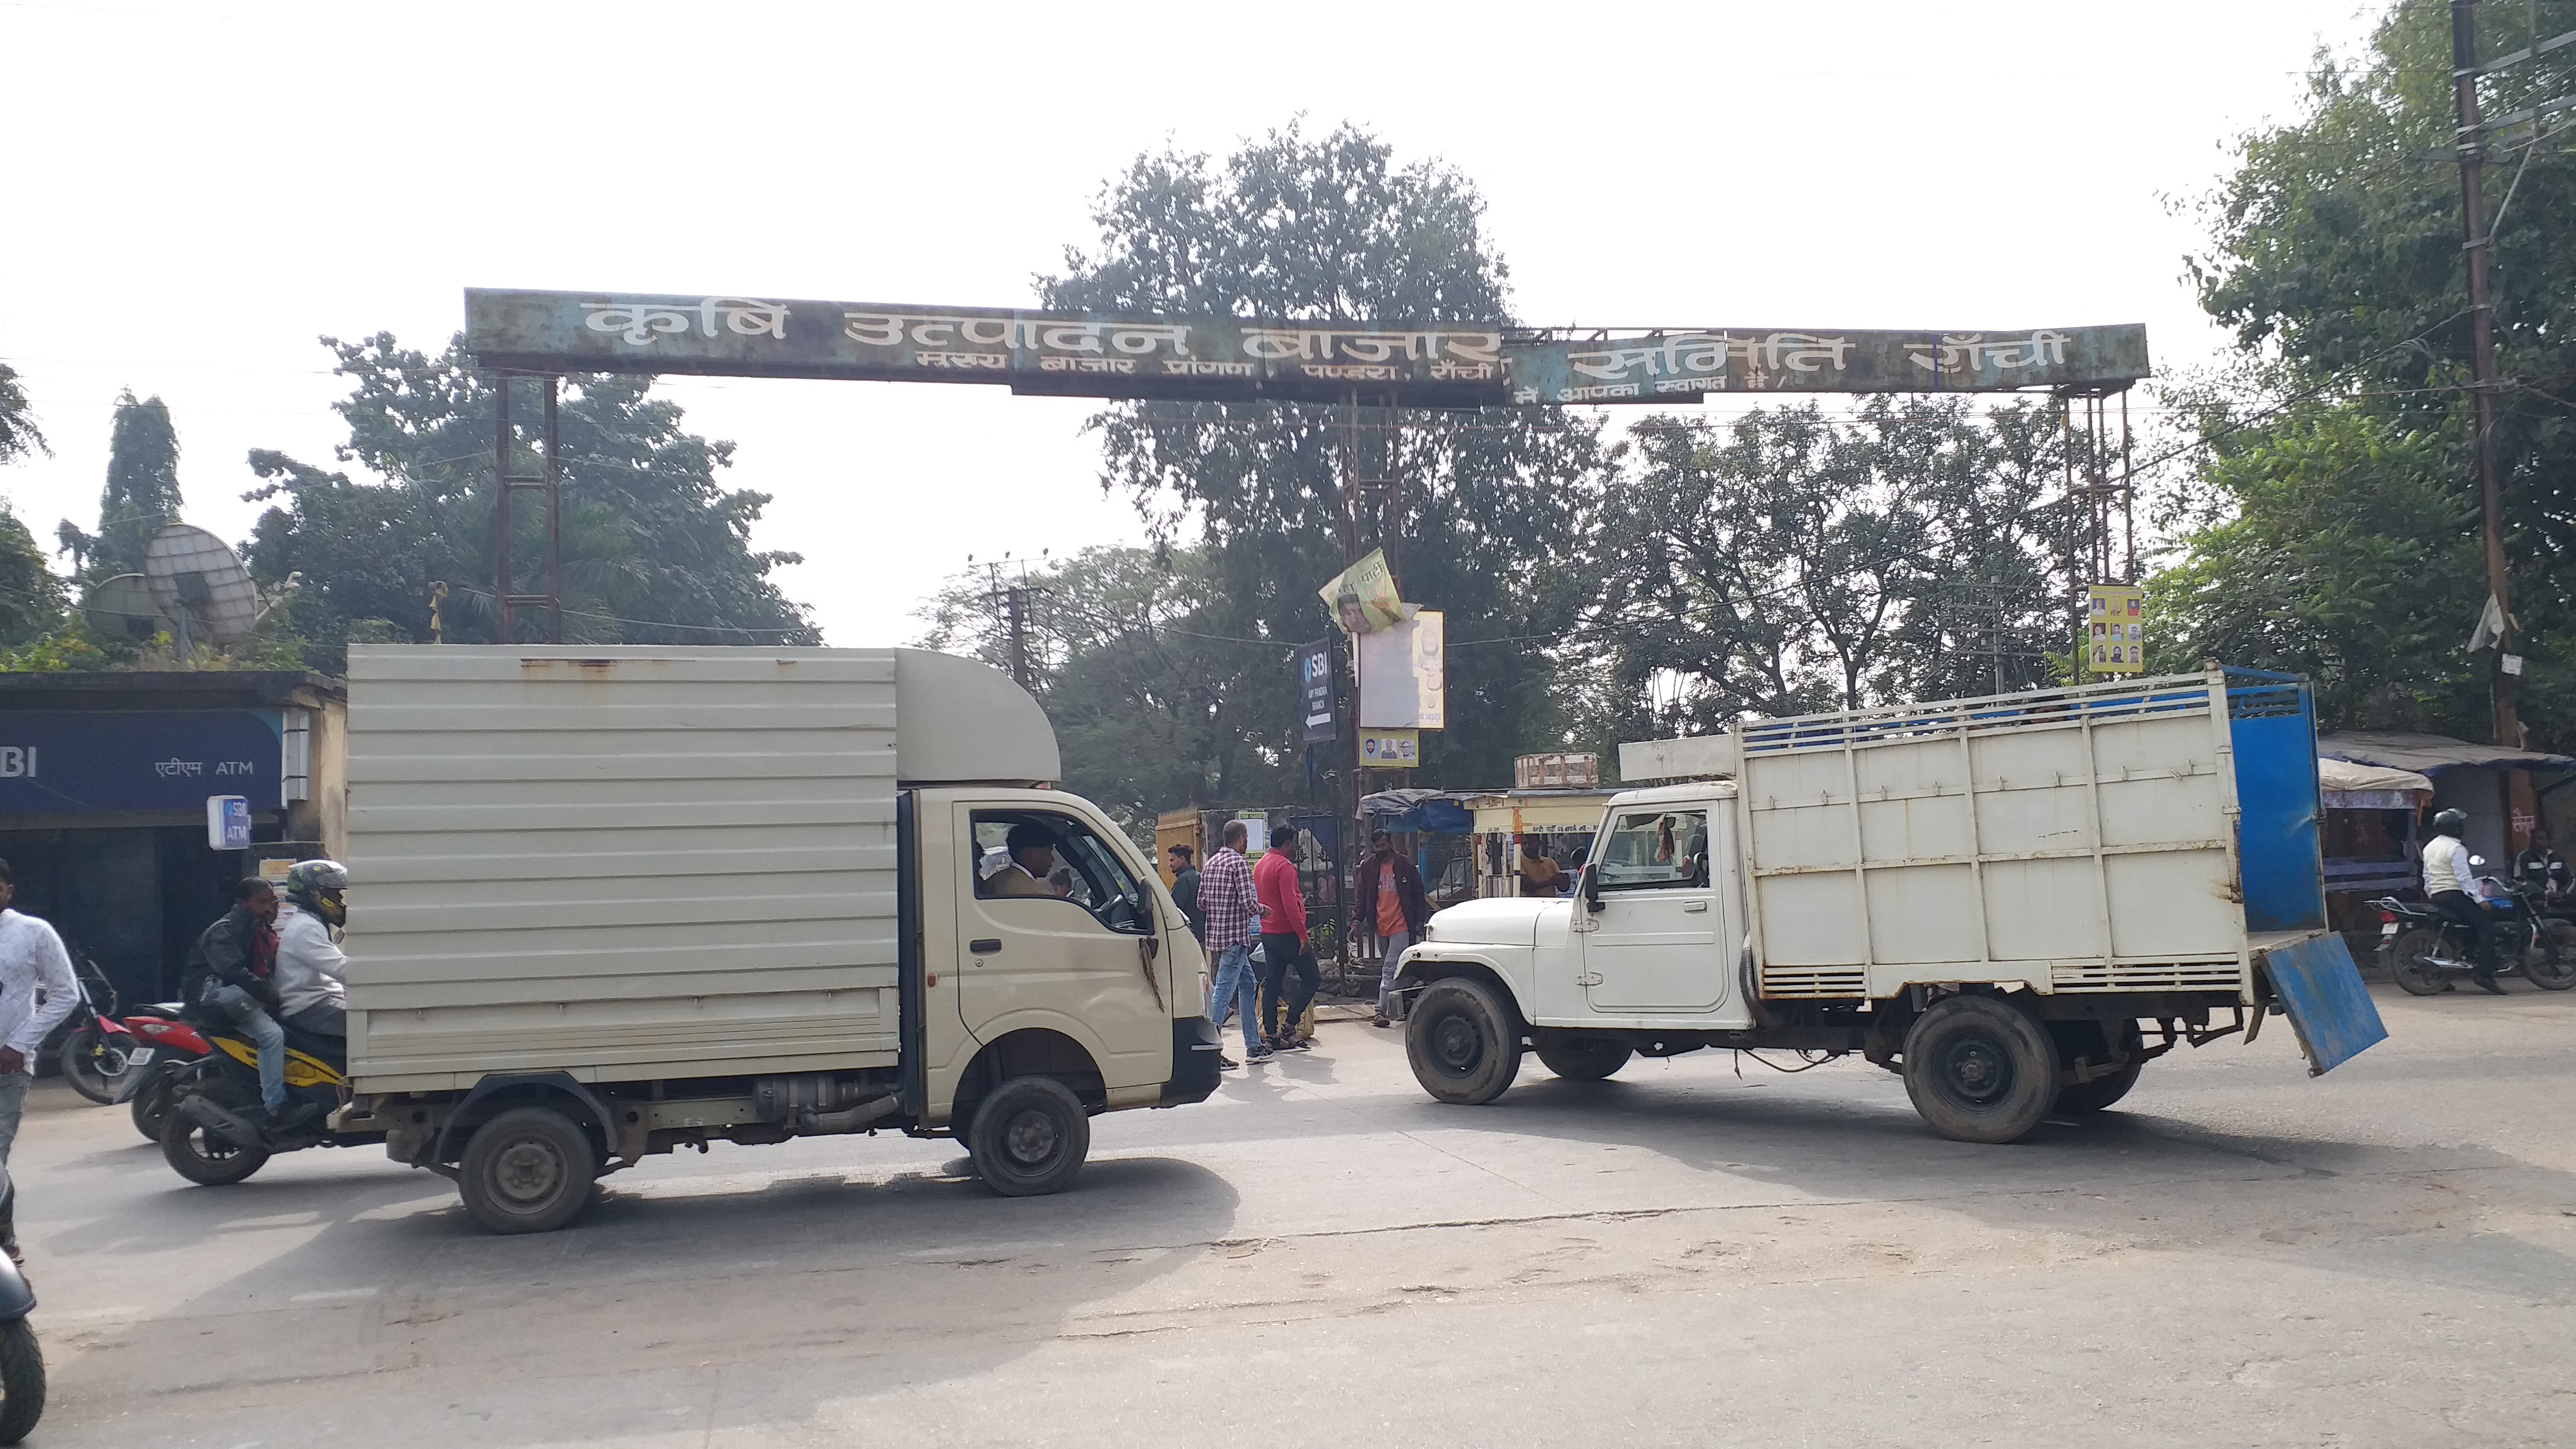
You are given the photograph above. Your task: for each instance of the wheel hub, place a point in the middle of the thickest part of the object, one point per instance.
(1031, 1137)
(1457, 1045)
(1977, 1072)
(526, 1172)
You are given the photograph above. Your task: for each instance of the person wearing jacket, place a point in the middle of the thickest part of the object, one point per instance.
(310, 965)
(1389, 898)
(228, 973)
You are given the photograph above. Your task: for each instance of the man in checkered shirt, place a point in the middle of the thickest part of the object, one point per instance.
(1225, 895)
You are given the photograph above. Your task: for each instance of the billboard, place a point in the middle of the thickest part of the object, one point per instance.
(1362, 597)
(1403, 675)
(1316, 721)
(2113, 637)
(1390, 749)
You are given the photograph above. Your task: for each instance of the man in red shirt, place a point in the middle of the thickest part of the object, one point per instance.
(1388, 897)
(1283, 941)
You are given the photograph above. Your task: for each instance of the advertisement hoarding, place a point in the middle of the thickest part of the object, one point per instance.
(1403, 675)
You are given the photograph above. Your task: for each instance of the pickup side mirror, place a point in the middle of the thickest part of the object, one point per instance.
(1589, 882)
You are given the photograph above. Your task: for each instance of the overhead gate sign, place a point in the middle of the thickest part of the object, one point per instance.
(1419, 364)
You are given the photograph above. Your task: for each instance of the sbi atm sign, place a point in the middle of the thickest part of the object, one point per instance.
(163, 760)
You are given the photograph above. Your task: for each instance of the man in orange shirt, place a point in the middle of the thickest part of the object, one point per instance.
(1389, 895)
(1283, 941)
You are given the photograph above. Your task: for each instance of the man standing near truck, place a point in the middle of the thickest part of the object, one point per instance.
(1228, 904)
(2450, 889)
(1283, 941)
(1389, 896)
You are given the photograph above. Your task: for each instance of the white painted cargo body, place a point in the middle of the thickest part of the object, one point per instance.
(633, 864)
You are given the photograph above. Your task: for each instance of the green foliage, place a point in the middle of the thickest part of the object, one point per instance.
(2335, 254)
(1150, 712)
(31, 594)
(141, 495)
(1487, 508)
(65, 650)
(647, 533)
(18, 433)
(1788, 562)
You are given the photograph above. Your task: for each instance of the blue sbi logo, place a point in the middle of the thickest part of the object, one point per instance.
(17, 762)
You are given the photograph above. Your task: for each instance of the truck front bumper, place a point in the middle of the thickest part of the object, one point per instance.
(1196, 1048)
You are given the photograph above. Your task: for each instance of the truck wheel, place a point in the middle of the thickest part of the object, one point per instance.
(1463, 1042)
(2087, 1039)
(2553, 970)
(2406, 964)
(1979, 1069)
(529, 1170)
(1029, 1137)
(204, 1156)
(1584, 1058)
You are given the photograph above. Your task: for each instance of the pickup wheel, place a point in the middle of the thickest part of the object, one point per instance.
(1029, 1137)
(2086, 1039)
(1979, 1069)
(2406, 963)
(529, 1170)
(1463, 1041)
(1583, 1058)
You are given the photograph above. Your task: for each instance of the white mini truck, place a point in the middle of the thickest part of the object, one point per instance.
(608, 902)
(2015, 902)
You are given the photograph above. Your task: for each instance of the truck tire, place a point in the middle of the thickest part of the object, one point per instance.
(1980, 1069)
(1464, 1042)
(2086, 1039)
(1583, 1058)
(529, 1170)
(1029, 1137)
(2411, 973)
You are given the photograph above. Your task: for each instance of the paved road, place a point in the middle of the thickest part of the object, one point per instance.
(1322, 1256)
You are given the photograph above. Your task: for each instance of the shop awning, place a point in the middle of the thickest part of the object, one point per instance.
(2431, 754)
(2349, 786)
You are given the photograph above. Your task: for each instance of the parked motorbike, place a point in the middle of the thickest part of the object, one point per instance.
(205, 1136)
(22, 1359)
(97, 1051)
(2427, 951)
(165, 1041)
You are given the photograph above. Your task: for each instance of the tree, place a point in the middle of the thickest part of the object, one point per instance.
(1152, 709)
(19, 435)
(2335, 254)
(1488, 506)
(654, 550)
(1790, 562)
(142, 491)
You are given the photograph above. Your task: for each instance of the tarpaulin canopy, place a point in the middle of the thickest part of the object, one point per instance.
(2350, 786)
(1438, 812)
(2431, 754)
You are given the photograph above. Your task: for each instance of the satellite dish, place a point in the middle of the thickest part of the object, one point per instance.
(200, 585)
(122, 608)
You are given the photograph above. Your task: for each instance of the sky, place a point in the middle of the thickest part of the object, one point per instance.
(195, 192)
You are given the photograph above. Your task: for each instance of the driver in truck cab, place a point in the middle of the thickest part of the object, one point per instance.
(1032, 852)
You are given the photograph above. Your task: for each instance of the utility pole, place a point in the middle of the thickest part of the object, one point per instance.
(1016, 599)
(1015, 619)
(2473, 218)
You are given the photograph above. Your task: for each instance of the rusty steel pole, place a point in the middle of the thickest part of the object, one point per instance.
(2473, 220)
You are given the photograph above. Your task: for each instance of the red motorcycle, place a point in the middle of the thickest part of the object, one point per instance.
(164, 1043)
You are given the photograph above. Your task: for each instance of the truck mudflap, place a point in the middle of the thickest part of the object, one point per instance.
(2317, 986)
(1196, 1049)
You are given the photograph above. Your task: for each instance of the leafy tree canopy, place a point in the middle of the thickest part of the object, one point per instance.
(19, 435)
(654, 549)
(141, 495)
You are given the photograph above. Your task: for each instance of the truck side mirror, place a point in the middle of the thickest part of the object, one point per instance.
(1590, 884)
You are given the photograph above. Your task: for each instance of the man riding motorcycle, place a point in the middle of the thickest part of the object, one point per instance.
(2452, 890)
(310, 964)
(228, 974)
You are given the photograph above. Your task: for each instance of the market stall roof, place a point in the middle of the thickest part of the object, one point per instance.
(1438, 811)
(2350, 786)
(2431, 754)
(1527, 812)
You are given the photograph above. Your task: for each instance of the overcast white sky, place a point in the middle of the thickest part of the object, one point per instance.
(195, 191)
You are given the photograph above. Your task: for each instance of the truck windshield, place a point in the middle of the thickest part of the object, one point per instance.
(1647, 848)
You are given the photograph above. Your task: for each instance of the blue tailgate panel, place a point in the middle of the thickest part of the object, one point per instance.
(2272, 724)
(2321, 992)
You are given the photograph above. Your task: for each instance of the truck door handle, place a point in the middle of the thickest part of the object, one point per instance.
(1694, 905)
(985, 947)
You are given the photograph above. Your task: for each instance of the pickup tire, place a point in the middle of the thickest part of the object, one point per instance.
(1464, 1042)
(529, 1170)
(2091, 1039)
(1583, 1058)
(1980, 1069)
(1029, 1137)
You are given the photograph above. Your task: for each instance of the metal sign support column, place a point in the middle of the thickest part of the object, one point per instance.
(547, 482)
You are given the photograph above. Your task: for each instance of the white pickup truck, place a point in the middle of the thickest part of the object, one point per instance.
(2015, 902)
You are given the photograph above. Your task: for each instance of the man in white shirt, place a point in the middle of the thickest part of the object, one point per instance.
(311, 968)
(2452, 890)
(33, 963)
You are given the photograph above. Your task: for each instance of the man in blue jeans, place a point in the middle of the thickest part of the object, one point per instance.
(228, 971)
(1228, 905)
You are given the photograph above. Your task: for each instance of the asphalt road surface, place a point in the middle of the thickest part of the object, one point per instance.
(1321, 1255)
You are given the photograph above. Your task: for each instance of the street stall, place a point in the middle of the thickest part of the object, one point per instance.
(2370, 838)
(1516, 829)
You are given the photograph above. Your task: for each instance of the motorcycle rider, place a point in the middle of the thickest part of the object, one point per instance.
(2453, 891)
(310, 964)
(228, 972)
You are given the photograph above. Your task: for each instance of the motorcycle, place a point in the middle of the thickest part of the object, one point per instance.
(97, 1050)
(205, 1136)
(165, 1041)
(22, 1359)
(2427, 951)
